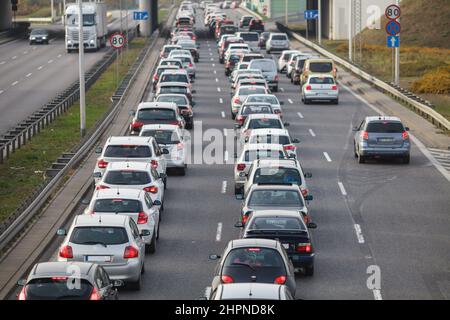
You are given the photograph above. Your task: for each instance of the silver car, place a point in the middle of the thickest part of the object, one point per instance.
(269, 70)
(269, 98)
(250, 291)
(320, 88)
(381, 137)
(277, 42)
(114, 242)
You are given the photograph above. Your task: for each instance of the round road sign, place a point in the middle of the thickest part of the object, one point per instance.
(393, 12)
(117, 40)
(393, 28)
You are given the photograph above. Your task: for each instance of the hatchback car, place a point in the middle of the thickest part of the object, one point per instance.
(318, 66)
(269, 70)
(244, 22)
(166, 50)
(254, 260)
(252, 108)
(261, 121)
(274, 136)
(277, 42)
(159, 70)
(320, 88)
(381, 137)
(250, 38)
(284, 59)
(187, 62)
(256, 25)
(159, 112)
(57, 281)
(114, 242)
(241, 94)
(269, 98)
(184, 106)
(192, 47)
(250, 291)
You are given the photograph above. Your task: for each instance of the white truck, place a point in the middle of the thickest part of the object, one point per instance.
(95, 26)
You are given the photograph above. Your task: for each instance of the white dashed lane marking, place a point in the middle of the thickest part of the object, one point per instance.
(311, 132)
(224, 186)
(341, 186)
(290, 101)
(327, 156)
(359, 234)
(14, 83)
(300, 115)
(28, 75)
(219, 232)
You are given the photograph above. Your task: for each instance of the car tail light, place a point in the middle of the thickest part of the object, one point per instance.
(180, 146)
(151, 189)
(22, 295)
(247, 132)
(94, 294)
(289, 147)
(240, 120)
(304, 192)
(155, 77)
(190, 64)
(405, 135)
(142, 218)
(130, 252)
(102, 164)
(277, 111)
(244, 219)
(237, 100)
(66, 252)
(334, 88)
(364, 135)
(280, 280)
(277, 77)
(136, 124)
(226, 279)
(240, 166)
(303, 247)
(194, 38)
(308, 88)
(154, 164)
(101, 187)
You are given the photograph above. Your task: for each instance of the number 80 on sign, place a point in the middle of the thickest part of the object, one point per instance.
(393, 12)
(117, 40)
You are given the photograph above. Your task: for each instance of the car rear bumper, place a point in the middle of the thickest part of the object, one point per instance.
(315, 95)
(301, 261)
(384, 152)
(128, 272)
(175, 163)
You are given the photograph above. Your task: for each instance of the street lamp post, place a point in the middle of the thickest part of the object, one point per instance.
(81, 69)
(350, 30)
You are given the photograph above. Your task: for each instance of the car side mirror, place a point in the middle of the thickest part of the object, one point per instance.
(98, 150)
(118, 283)
(308, 175)
(194, 91)
(97, 174)
(145, 233)
(295, 140)
(355, 129)
(407, 128)
(286, 124)
(236, 126)
(157, 203)
(132, 113)
(165, 151)
(292, 156)
(22, 282)
(312, 225)
(239, 224)
(163, 175)
(61, 232)
(214, 257)
(309, 198)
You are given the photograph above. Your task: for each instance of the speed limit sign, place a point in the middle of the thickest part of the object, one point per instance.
(117, 40)
(393, 12)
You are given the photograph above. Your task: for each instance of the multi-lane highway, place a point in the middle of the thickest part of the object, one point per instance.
(388, 215)
(33, 75)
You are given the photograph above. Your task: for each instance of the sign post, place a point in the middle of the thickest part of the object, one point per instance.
(393, 28)
(117, 41)
(310, 15)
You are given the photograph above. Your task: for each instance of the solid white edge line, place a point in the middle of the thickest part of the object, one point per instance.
(341, 186)
(327, 156)
(359, 234)
(219, 232)
(416, 141)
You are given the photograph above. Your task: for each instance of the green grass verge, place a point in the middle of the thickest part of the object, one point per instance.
(24, 170)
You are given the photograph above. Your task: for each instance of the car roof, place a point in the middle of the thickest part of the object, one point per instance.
(263, 116)
(382, 118)
(129, 140)
(56, 268)
(262, 146)
(268, 131)
(171, 94)
(117, 193)
(275, 162)
(293, 186)
(250, 104)
(251, 290)
(128, 165)
(156, 104)
(243, 243)
(172, 127)
(100, 220)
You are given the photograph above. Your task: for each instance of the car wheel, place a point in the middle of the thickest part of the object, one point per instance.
(136, 285)
(305, 101)
(165, 184)
(275, 89)
(406, 159)
(143, 269)
(183, 171)
(361, 158)
(309, 271)
(336, 101)
(354, 150)
(157, 233)
(237, 190)
(151, 248)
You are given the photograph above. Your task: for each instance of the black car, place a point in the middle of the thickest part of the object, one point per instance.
(287, 227)
(68, 281)
(39, 36)
(256, 25)
(245, 21)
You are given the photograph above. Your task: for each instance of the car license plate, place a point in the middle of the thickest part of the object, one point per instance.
(385, 139)
(98, 258)
(286, 245)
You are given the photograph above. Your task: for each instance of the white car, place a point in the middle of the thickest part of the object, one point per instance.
(284, 58)
(250, 291)
(260, 121)
(241, 94)
(277, 42)
(276, 136)
(250, 38)
(269, 98)
(251, 152)
(169, 137)
(129, 148)
(237, 73)
(137, 204)
(320, 87)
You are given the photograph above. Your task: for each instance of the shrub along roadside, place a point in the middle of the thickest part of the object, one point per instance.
(25, 169)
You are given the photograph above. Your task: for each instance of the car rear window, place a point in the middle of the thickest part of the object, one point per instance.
(128, 151)
(253, 257)
(129, 178)
(228, 29)
(321, 67)
(175, 99)
(251, 155)
(264, 65)
(157, 113)
(284, 198)
(271, 139)
(254, 109)
(161, 70)
(264, 123)
(174, 78)
(254, 90)
(277, 175)
(171, 63)
(96, 235)
(276, 223)
(163, 136)
(287, 56)
(117, 205)
(268, 99)
(279, 37)
(249, 36)
(325, 80)
(57, 288)
(385, 127)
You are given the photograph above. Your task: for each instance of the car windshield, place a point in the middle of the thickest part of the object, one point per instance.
(178, 100)
(287, 56)
(269, 138)
(263, 65)
(174, 78)
(128, 151)
(279, 37)
(126, 177)
(264, 123)
(268, 99)
(277, 175)
(103, 235)
(249, 36)
(39, 32)
(385, 127)
(321, 67)
(252, 90)
(88, 19)
(270, 198)
(57, 288)
(163, 136)
(117, 205)
(251, 155)
(276, 223)
(253, 257)
(246, 110)
(158, 113)
(318, 80)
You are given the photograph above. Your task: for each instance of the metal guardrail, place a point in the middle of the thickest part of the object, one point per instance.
(421, 106)
(11, 227)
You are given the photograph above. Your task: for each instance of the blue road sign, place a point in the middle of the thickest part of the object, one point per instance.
(140, 15)
(311, 14)
(393, 42)
(393, 28)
